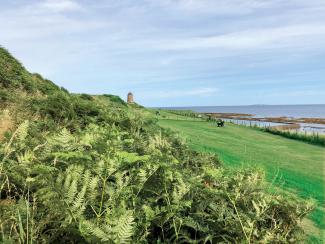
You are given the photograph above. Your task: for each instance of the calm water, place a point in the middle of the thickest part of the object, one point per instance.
(294, 111)
(304, 127)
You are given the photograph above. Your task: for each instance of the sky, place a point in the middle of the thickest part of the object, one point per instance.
(174, 52)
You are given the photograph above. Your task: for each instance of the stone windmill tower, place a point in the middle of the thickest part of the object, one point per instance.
(130, 98)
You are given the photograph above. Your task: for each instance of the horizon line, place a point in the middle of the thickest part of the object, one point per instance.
(247, 105)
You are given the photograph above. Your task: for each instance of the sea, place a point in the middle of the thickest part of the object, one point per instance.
(264, 111)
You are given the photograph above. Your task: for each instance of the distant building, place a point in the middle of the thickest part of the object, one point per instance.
(130, 98)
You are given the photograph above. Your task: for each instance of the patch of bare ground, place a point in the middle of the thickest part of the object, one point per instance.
(6, 122)
(7, 202)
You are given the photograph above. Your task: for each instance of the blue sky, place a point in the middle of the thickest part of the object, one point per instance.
(174, 52)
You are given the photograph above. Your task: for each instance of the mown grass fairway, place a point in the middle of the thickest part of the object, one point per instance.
(298, 166)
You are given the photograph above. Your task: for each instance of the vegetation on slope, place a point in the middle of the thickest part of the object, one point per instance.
(80, 168)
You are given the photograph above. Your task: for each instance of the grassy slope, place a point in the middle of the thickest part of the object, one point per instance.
(300, 165)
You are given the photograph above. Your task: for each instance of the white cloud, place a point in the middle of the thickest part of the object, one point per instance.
(60, 5)
(203, 91)
(221, 7)
(233, 7)
(39, 20)
(178, 41)
(250, 39)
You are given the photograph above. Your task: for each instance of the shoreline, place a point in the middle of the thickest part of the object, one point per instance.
(284, 120)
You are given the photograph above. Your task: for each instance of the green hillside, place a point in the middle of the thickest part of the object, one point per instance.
(77, 168)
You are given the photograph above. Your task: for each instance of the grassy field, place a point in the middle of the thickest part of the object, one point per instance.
(299, 166)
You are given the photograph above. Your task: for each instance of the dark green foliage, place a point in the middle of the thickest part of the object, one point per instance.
(13, 74)
(86, 109)
(115, 99)
(58, 106)
(45, 86)
(187, 113)
(64, 90)
(4, 96)
(86, 97)
(83, 109)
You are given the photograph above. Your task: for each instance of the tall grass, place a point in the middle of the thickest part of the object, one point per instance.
(186, 113)
(313, 138)
(290, 131)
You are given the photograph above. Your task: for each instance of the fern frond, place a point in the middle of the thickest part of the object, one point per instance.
(72, 191)
(22, 131)
(25, 157)
(100, 167)
(64, 140)
(132, 157)
(142, 176)
(79, 201)
(67, 181)
(64, 137)
(92, 229)
(86, 177)
(20, 134)
(124, 228)
(92, 185)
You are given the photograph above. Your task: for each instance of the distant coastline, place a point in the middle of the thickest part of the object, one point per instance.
(263, 111)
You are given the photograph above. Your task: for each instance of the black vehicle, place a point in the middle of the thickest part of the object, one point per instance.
(220, 123)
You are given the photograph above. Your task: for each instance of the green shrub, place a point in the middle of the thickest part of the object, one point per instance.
(58, 106)
(64, 90)
(85, 108)
(4, 96)
(86, 97)
(115, 99)
(13, 74)
(43, 85)
(187, 113)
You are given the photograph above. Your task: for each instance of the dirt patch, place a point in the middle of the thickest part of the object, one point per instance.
(7, 202)
(6, 123)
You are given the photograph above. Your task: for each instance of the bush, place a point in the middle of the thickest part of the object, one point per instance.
(58, 106)
(86, 97)
(64, 90)
(115, 99)
(45, 86)
(4, 96)
(85, 108)
(13, 74)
